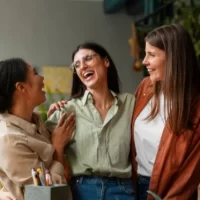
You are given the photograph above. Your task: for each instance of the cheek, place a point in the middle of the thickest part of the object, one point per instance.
(79, 75)
(161, 73)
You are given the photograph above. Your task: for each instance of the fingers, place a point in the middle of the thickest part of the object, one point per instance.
(56, 106)
(62, 120)
(72, 128)
(63, 133)
(69, 121)
(51, 111)
(61, 103)
(70, 125)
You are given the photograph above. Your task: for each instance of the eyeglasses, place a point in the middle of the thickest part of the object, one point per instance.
(88, 60)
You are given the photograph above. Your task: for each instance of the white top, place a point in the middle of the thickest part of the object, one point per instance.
(147, 135)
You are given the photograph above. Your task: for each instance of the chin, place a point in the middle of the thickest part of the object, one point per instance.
(43, 99)
(91, 86)
(155, 79)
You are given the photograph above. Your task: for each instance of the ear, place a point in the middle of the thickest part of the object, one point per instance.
(20, 87)
(106, 62)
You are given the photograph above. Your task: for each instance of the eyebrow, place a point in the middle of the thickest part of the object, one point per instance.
(75, 62)
(149, 51)
(89, 54)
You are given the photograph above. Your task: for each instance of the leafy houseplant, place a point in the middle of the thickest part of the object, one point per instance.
(188, 15)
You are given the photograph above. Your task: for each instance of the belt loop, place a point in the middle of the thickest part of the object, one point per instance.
(119, 182)
(79, 179)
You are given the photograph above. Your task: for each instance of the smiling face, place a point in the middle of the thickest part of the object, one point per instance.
(155, 62)
(33, 87)
(90, 68)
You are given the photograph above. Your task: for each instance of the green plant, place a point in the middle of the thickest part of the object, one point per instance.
(188, 15)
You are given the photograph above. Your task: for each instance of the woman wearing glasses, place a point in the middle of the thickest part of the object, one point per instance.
(99, 151)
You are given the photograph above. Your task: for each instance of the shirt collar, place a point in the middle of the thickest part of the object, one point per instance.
(87, 96)
(28, 127)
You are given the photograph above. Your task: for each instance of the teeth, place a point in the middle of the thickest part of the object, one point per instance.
(150, 70)
(87, 74)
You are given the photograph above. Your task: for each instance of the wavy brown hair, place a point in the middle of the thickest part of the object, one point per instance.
(182, 75)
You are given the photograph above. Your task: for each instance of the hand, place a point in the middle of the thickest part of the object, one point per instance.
(56, 106)
(6, 196)
(63, 132)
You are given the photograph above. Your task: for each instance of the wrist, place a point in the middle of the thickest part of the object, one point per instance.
(59, 150)
(59, 156)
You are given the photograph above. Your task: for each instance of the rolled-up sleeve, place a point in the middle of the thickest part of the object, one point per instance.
(16, 162)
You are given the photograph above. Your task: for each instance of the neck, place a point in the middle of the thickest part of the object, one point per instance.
(22, 110)
(102, 97)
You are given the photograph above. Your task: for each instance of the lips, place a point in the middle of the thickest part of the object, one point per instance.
(88, 74)
(43, 87)
(150, 69)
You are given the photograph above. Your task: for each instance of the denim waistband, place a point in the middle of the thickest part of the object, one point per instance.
(96, 179)
(143, 177)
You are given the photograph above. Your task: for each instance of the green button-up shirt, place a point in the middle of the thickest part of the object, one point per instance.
(100, 148)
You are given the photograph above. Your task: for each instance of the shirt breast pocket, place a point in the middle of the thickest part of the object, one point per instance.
(118, 154)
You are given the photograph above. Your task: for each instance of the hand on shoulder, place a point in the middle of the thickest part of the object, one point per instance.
(56, 106)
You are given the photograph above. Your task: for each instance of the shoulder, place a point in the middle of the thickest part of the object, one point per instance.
(126, 96)
(145, 86)
(145, 83)
(12, 138)
(68, 108)
(9, 130)
(127, 100)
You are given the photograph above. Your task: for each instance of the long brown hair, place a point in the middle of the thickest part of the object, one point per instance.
(182, 75)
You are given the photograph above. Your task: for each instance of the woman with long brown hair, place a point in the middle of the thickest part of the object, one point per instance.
(166, 119)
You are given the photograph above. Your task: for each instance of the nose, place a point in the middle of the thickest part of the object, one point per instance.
(145, 61)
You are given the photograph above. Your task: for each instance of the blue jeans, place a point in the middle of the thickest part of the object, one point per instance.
(142, 186)
(102, 188)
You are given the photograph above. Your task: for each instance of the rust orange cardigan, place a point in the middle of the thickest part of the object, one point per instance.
(176, 172)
